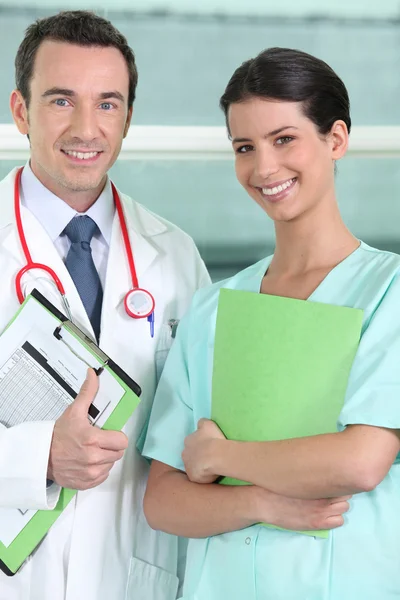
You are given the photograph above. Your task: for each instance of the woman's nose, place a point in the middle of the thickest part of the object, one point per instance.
(265, 164)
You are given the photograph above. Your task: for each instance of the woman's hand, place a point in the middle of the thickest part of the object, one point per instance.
(200, 450)
(298, 514)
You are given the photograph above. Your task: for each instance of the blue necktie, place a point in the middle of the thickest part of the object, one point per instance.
(81, 267)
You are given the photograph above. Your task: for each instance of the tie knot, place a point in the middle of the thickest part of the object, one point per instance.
(80, 229)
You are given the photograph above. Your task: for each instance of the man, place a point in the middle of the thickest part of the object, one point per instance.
(76, 78)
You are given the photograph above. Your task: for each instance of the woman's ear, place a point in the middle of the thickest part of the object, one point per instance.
(339, 139)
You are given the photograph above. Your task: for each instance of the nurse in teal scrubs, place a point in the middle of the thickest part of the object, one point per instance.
(288, 118)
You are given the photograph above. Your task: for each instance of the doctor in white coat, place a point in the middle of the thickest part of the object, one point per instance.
(76, 80)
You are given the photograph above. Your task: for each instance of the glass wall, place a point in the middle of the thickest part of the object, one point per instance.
(185, 60)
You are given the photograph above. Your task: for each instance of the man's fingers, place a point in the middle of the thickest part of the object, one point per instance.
(87, 484)
(112, 440)
(87, 394)
(109, 456)
(93, 472)
(99, 480)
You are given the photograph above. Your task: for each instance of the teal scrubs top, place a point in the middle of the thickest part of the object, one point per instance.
(361, 559)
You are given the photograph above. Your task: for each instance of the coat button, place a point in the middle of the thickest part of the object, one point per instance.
(247, 540)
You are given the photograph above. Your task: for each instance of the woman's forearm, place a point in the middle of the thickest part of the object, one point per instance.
(301, 468)
(176, 505)
(329, 465)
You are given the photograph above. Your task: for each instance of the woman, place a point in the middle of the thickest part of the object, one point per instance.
(288, 117)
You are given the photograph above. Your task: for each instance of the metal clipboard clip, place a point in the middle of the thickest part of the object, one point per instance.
(104, 359)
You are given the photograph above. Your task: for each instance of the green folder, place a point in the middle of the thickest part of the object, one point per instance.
(281, 367)
(12, 556)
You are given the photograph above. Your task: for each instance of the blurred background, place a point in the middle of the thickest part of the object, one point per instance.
(186, 52)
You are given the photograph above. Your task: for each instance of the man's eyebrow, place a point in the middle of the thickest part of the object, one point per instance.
(114, 94)
(56, 91)
(270, 134)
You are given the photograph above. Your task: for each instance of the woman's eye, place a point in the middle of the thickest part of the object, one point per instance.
(244, 149)
(284, 140)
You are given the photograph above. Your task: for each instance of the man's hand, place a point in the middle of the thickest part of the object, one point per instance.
(199, 451)
(298, 514)
(81, 456)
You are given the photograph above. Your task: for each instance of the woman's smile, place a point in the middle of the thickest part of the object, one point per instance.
(277, 191)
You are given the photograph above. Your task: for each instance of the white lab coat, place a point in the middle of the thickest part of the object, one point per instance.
(101, 547)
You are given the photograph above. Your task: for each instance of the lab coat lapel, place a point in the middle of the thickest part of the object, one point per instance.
(42, 251)
(118, 279)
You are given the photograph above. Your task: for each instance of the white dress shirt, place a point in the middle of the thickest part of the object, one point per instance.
(54, 215)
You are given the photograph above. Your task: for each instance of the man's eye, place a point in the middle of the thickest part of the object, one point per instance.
(106, 105)
(61, 102)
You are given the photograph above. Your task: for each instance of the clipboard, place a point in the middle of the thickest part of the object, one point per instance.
(15, 553)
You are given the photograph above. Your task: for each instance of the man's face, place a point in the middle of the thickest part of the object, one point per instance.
(77, 117)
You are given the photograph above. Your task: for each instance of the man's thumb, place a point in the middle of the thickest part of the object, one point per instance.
(87, 393)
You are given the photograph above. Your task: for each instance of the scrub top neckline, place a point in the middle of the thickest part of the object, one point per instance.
(332, 273)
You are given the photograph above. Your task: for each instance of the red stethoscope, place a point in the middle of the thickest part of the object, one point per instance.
(139, 303)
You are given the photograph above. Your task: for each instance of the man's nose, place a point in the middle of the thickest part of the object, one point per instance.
(84, 124)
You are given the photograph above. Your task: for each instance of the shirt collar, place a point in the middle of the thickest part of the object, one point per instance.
(54, 214)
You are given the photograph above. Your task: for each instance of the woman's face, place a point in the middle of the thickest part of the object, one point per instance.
(282, 161)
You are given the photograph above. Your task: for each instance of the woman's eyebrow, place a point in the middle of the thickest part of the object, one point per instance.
(270, 134)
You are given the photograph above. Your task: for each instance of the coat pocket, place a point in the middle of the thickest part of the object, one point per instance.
(148, 582)
(165, 341)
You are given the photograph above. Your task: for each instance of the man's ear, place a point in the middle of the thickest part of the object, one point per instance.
(128, 121)
(19, 112)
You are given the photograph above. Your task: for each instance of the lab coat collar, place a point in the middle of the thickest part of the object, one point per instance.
(7, 216)
(138, 218)
(44, 252)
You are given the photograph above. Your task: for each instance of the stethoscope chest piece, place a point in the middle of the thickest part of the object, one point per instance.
(139, 303)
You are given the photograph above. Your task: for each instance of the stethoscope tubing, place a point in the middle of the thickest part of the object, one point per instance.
(29, 262)
(32, 265)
